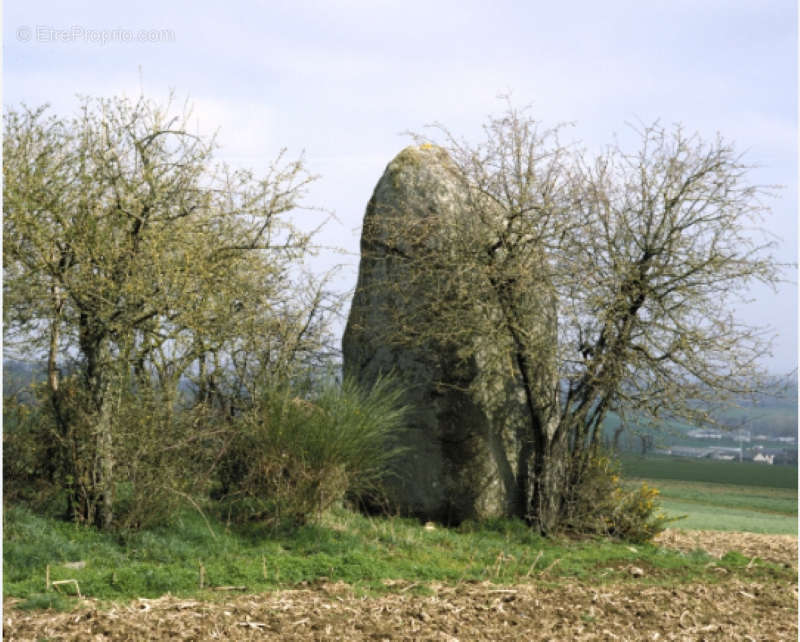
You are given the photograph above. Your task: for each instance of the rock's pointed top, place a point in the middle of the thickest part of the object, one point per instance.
(426, 153)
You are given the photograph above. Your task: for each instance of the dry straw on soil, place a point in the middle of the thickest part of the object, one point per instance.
(732, 609)
(781, 549)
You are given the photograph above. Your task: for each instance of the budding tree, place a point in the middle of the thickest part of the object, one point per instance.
(127, 250)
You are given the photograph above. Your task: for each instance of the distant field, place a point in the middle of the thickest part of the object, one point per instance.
(728, 507)
(706, 516)
(727, 496)
(719, 472)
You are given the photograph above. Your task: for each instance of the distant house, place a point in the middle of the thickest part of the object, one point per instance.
(704, 434)
(725, 454)
(773, 456)
(689, 451)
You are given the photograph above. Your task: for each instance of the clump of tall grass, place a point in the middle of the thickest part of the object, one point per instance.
(292, 457)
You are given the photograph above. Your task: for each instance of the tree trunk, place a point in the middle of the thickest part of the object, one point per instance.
(105, 459)
(52, 357)
(55, 448)
(548, 482)
(100, 384)
(55, 335)
(52, 451)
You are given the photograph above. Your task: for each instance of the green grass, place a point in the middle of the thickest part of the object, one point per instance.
(782, 501)
(345, 546)
(727, 507)
(728, 496)
(365, 552)
(710, 517)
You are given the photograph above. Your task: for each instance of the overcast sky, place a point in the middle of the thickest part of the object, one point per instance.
(344, 79)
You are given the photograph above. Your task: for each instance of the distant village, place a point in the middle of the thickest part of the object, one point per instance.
(751, 447)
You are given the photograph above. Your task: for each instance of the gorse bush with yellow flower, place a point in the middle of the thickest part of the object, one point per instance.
(599, 504)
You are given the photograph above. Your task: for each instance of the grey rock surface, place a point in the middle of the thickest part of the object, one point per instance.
(462, 443)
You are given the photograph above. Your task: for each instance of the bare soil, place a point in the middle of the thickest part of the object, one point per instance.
(733, 609)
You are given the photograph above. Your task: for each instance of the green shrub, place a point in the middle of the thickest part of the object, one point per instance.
(33, 458)
(164, 458)
(291, 458)
(599, 505)
(163, 455)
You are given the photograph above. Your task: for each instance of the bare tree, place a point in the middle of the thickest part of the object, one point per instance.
(605, 283)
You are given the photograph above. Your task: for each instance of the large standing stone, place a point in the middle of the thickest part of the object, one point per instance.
(463, 439)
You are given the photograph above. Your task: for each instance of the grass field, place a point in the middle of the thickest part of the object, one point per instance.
(354, 577)
(703, 470)
(727, 496)
(189, 558)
